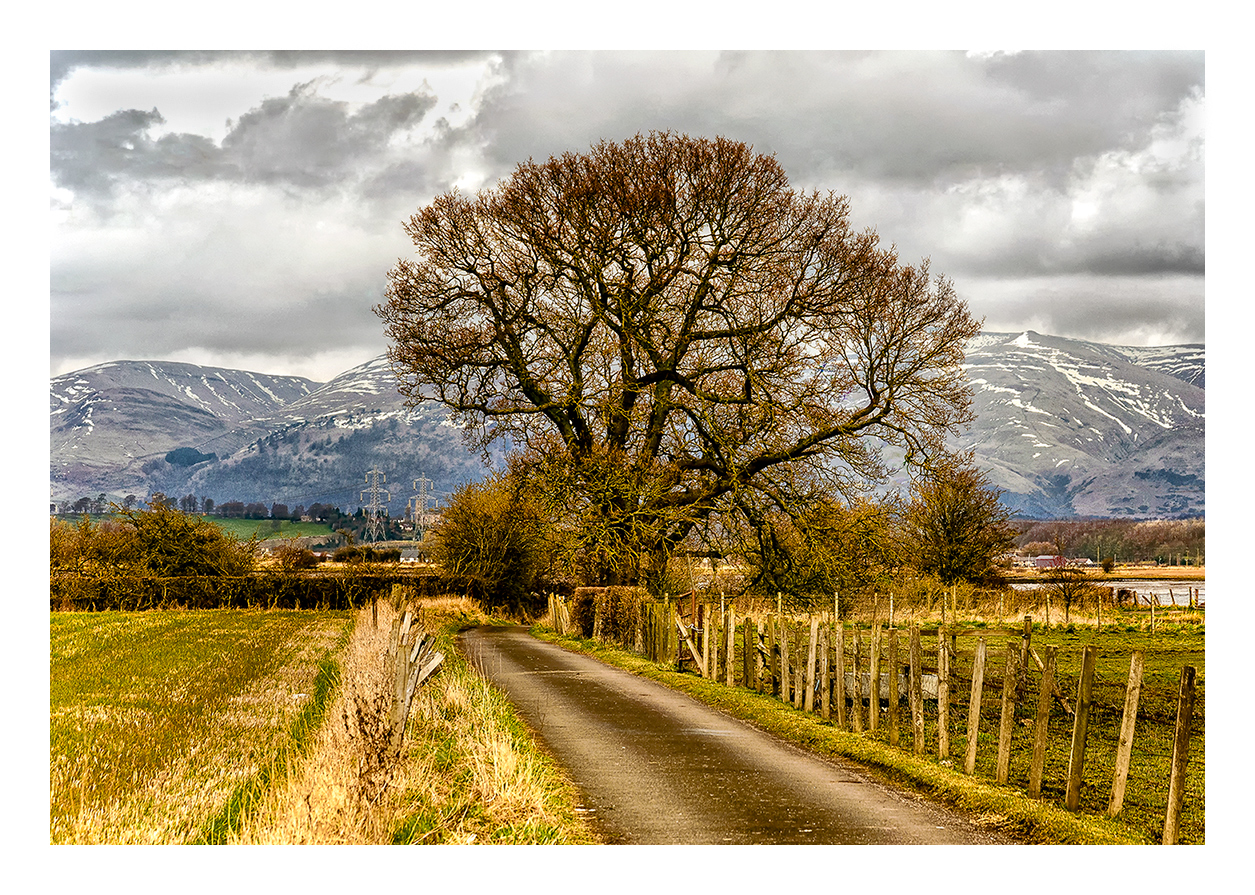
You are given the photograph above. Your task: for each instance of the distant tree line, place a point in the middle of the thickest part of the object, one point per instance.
(190, 504)
(160, 541)
(1167, 541)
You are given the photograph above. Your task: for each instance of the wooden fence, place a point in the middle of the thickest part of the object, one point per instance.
(926, 681)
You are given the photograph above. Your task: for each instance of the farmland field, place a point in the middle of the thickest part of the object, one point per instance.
(271, 528)
(159, 722)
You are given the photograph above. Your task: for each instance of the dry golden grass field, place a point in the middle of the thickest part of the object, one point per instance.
(157, 720)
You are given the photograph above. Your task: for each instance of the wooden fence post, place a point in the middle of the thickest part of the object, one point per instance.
(873, 702)
(894, 671)
(917, 694)
(771, 685)
(1124, 750)
(857, 705)
(715, 624)
(1180, 755)
(762, 648)
(1080, 728)
(748, 648)
(973, 712)
(839, 664)
(785, 675)
(797, 648)
(825, 672)
(704, 620)
(808, 702)
(943, 696)
(1041, 728)
(1026, 648)
(729, 663)
(1006, 724)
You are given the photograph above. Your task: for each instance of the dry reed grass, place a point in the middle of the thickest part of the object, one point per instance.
(468, 772)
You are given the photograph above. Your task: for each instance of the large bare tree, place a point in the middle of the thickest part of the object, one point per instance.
(669, 330)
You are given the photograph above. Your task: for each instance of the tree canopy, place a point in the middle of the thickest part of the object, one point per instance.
(957, 526)
(666, 318)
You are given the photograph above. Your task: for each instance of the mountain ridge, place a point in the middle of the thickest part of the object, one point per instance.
(1063, 427)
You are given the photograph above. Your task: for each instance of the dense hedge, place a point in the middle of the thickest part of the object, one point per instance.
(619, 609)
(261, 590)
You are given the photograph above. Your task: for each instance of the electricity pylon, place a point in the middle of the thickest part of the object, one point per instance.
(376, 510)
(420, 500)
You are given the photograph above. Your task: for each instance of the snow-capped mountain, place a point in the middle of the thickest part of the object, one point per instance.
(111, 425)
(318, 449)
(1079, 428)
(1064, 427)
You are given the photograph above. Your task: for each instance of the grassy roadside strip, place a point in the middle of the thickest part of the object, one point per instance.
(1000, 808)
(469, 771)
(482, 778)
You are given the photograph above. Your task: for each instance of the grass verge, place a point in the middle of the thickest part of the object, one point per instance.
(994, 807)
(469, 771)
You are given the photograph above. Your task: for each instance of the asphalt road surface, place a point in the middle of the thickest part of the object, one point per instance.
(656, 766)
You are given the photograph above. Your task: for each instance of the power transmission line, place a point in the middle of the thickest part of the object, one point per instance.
(376, 510)
(420, 502)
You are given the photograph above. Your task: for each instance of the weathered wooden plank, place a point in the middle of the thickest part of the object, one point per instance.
(1180, 756)
(1010, 678)
(688, 641)
(917, 695)
(808, 703)
(973, 712)
(1080, 728)
(873, 694)
(943, 696)
(896, 672)
(1041, 727)
(1124, 750)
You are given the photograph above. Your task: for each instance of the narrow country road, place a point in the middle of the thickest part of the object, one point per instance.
(656, 766)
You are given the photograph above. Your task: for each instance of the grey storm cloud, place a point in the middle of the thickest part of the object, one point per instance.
(301, 138)
(92, 157)
(308, 140)
(918, 118)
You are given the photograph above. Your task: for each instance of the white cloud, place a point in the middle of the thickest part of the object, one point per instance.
(1024, 177)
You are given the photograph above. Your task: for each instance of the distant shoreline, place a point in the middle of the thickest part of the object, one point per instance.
(1121, 572)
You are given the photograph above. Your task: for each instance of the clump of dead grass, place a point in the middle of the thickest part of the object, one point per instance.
(468, 771)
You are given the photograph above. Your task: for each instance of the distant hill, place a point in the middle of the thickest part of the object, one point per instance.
(1068, 427)
(1064, 427)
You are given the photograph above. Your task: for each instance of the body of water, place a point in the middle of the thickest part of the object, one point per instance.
(1164, 593)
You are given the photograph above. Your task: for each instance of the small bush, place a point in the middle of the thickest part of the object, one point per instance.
(293, 558)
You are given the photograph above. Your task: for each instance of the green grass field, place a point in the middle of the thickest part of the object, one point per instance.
(1145, 799)
(162, 723)
(271, 528)
(244, 528)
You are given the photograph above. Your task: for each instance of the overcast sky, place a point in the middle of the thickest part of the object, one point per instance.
(242, 209)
